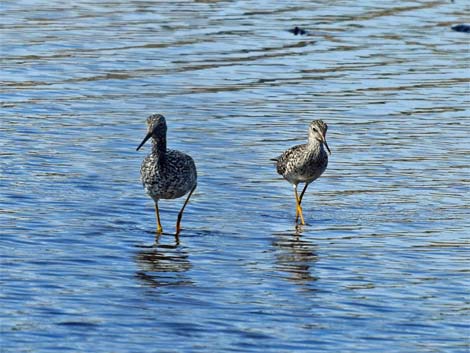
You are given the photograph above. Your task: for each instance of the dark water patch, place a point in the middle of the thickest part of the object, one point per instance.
(383, 257)
(298, 31)
(461, 28)
(78, 324)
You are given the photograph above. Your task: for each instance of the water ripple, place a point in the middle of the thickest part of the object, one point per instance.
(382, 261)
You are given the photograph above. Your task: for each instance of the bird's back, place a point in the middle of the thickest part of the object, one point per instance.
(172, 178)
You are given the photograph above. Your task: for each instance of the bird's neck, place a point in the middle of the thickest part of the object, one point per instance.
(159, 148)
(314, 145)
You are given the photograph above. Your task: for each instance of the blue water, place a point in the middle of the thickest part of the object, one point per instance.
(382, 264)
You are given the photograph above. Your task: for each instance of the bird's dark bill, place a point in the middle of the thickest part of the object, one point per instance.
(326, 145)
(144, 140)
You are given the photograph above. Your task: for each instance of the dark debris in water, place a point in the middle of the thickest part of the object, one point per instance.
(77, 324)
(461, 28)
(298, 31)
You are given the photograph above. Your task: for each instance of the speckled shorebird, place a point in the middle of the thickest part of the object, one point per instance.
(165, 173)
(305, 163)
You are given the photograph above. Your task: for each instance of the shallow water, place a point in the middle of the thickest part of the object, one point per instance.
(382, 264)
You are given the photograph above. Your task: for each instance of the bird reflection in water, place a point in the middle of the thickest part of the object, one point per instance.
(295, 256)
(163, 265)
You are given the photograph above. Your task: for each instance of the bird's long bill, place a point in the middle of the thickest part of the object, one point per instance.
(326, 145)
(144, 140)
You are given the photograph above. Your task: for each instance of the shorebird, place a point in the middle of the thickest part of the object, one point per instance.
(305, 163)
(165, 173)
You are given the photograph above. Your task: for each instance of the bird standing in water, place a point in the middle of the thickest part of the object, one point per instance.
(305, 163)
(165, 173)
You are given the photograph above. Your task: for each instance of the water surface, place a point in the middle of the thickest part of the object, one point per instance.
(382, 264)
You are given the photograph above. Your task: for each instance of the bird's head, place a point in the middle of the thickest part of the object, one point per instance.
(156, 128)
(317, 131)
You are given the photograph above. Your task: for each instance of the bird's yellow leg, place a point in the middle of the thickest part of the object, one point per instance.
(299, 208)
(180, 214)
(159, 224)
(300, 202)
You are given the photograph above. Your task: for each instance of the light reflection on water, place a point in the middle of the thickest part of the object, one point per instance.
(382, 260)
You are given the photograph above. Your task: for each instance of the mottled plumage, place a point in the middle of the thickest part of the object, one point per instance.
(165, 173)
(305, 163)
(167, 176)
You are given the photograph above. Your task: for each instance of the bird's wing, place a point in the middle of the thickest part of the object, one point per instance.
(285, 157)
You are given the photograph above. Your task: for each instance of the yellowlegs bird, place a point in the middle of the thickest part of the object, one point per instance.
(165, 173)
(305, 163)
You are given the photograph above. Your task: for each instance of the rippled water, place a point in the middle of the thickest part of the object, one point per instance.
(381, 265)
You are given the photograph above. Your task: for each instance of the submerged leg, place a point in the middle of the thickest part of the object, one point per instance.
(180, 214)
(159, 224)
(300, 200)
(298, 209)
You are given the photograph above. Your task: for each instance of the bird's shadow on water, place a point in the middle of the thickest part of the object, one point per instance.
(163, 265)
(295, 256)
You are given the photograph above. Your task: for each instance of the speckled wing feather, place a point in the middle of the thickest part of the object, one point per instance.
(284, 159)
(172, 180)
